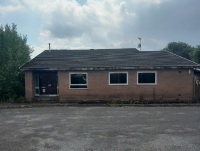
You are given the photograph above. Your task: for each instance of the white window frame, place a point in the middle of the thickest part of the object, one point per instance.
(118, 83)
(147, 72)
(78, 84)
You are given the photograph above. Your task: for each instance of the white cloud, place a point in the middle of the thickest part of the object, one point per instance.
(149, 1)
(15, 2)
(158, 42)
(114, 23)
(96, 24)
(38, 50)
(4, 10)
(37, 4)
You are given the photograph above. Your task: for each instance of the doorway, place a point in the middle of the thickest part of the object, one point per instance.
(46, 84)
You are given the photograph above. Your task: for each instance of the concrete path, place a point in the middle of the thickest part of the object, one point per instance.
(66, 104)
(100, 128)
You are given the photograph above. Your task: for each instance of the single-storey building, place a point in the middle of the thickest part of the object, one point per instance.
(109, 74)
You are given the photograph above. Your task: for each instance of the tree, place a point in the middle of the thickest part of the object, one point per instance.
(14, 52)
(195, 55)
(180, 48)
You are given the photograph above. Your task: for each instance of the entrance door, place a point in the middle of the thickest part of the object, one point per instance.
(197, 87)
(48, 84)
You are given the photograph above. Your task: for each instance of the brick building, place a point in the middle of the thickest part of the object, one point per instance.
(109, 74)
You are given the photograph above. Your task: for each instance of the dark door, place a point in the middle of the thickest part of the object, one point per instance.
(48, 83)
(197, 87)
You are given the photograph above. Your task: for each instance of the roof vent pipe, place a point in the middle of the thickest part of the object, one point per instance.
(49, 47)
(139, 45)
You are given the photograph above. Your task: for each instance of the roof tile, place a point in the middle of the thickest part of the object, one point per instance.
(105, 58)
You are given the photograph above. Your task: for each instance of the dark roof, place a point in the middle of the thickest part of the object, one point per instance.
(102, 59)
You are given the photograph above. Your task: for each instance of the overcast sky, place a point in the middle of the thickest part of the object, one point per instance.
(86, 24)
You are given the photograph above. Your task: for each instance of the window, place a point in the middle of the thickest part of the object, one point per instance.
(78, 80)
(36, 85)
(118, 78)
(147, 78)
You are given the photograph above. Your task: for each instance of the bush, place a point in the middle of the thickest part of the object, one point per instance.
(14, 52)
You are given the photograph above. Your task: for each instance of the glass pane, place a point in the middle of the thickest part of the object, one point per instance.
(52, 80)
(113, 78)
(52, 90)
(78, 79)
(43, 80)
(146, 77)
(78, 86)
(36, 91)
(118, 78)
(36, 80)
(122, 78)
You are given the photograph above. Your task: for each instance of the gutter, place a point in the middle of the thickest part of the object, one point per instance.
(108, 68)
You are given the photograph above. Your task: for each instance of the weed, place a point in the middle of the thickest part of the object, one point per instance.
(20, 99)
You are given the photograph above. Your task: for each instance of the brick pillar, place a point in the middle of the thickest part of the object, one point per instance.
(63, 83)
(29, 86)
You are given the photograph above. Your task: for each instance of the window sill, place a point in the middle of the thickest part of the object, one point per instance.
(147, 84)
(78, 88)
(118, 84)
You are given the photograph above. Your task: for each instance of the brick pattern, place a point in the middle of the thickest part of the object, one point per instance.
(29, 87)
(171, 84)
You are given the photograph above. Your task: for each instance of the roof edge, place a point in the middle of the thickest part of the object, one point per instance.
(111, 68)
(183, 58)
(91, 49)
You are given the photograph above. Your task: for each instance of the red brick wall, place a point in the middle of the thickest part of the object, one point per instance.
(29, 87)
(171, 84)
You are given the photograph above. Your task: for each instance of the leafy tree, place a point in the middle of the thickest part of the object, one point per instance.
(195, 55)
(180, 48)
(14, 52)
